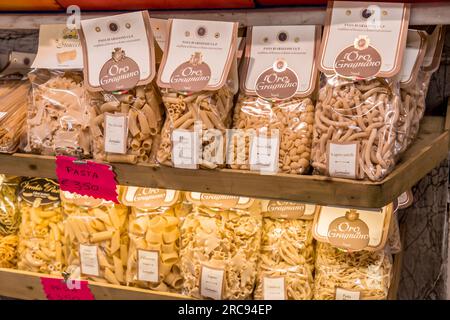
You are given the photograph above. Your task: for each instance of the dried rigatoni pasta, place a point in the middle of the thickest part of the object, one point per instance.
(41, 243)
(154, 231)
(220, 241)
(95, 233)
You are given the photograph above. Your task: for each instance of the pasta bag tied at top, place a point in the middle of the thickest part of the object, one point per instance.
(198, 83)
(9, 221)
(286, 262)
(277, 91)
(126, 109)
(95, 232)
(41, 242)
(412, 89)
(58, 118)
(359, 101)
(362, 275)
(220, 240)
(154, 231)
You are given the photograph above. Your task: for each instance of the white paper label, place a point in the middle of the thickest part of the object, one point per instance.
(274, 288)
(89, 260)
(59, 48)
(211, 282)
(116, 131)
(342, 160)
(264, 153)
(411, 54)
(160, 29)
(342, 294)
(148, 266)
(185, 146)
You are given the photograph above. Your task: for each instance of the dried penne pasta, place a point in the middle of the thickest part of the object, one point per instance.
(40, 236)
(154, 230)
(95, 232)
(220, 241)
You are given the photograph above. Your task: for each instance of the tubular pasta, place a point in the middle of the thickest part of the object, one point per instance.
(101, 223)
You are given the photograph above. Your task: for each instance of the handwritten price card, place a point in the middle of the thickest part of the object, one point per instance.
(87, 178)
(58, 289)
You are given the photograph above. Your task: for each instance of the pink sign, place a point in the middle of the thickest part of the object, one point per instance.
(87, 178)
(58, 289)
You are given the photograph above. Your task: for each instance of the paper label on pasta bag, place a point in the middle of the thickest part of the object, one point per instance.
(148, 265)
(118, 51)
(287, 210)
(116, 132)
(211, 282)
(222, 201)
(185, 149)
(433, 53)
(414, 53)
(89, 260)
(353, 229)
(363, 39)
(59, 48)
(280, 61)
(342, 159)
(274, 288)
(343, 294)
(160, 29)
(43, 190)
(198, 55)
(149, 197)
(264, 153)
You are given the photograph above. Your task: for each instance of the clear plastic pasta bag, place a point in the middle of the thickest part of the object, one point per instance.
(274, 101)
(362, 114)
(9, 221)
(41, 242)
(95, 232)
(359, 107)
(154, 231)
(58, 118)
(198, 83)
(13, 112)
(220, 247)
(286, 261)
(361, 275)
(141, 108)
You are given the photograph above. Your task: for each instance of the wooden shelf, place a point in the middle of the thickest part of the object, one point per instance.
(27, 285)
(429, 149)
(421, 14)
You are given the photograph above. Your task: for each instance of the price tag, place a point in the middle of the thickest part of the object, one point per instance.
(264, 153)
(88, 178)
(58, 289)
(185, 149)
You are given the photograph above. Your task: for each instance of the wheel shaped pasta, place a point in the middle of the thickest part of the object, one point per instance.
(154, 231)
(96, 237)
(221, 244)
(41, 243)
(362, 275)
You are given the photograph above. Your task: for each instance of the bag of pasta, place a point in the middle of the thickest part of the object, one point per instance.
(13, 113)
(351, 262)
(95, 233)
(154, 231)
(41, 242)
(412, 88)
(286, 262)
(416, 94)
(125, 113)
(58, 117)
(9, 221)
(198, 80)
(359, 101)
(220, 243)
(275, 106)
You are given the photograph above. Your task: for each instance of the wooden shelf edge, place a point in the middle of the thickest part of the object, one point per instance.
(421, 14)
(27, 285)
(424, 155)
